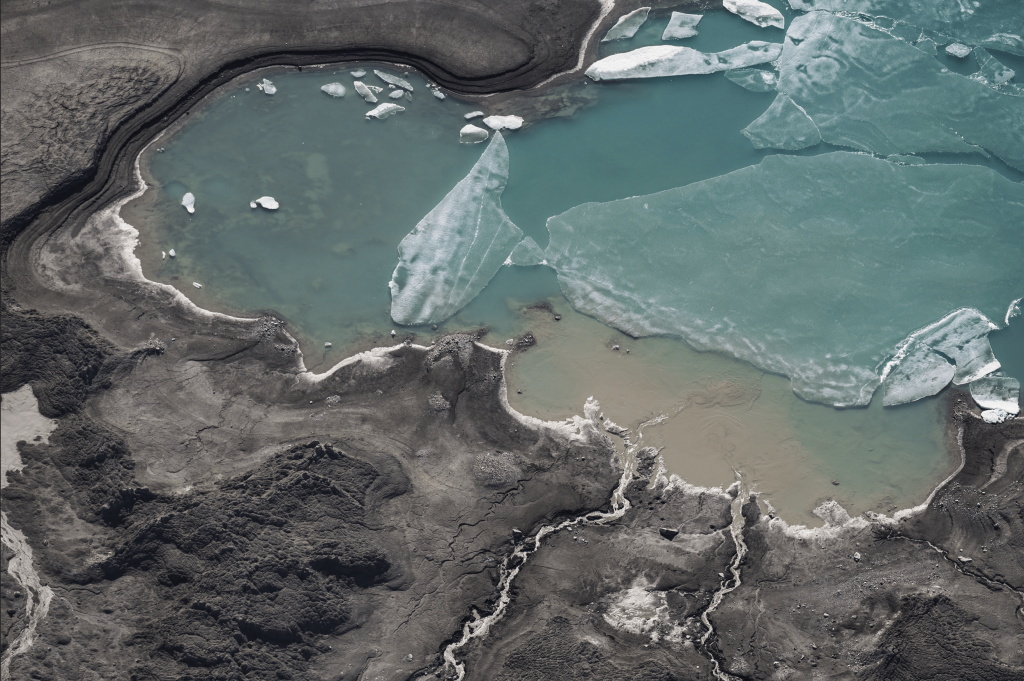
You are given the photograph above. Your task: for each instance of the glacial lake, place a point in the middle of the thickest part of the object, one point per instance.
(350, 189)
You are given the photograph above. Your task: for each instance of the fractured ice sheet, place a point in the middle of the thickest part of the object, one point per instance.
(657, 61)
(755, 80)
(681, 25)
(989, 23)
(526, 253)
(725, 263)
(867, 90)
(957, 50)
(991, 69)
(756, 12)
(364, 92)
(997, 392)
(783, 126)
(471, 134)
(458, 247)
(627, 25)
(922, 373)
(963, 336)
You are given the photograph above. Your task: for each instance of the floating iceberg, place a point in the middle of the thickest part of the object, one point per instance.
(975, 23)
(268, 202)
(992, 70)
(394, 80)
(472, 134)
(189, 201)
(334, 89)
(382, 111)
(172, 253)
(657, 61)
(358, 73)
(196, 284)
(681, 26)
(163, 255)
(756, 12)
(754, 80)
(725, 262)
(957, 50)
(922, 373)
(458, 247)
(526, 253)
(437, 93)
(783, 126)
(397, 94)
(473, 114)
(867, 90)
(267, 87)
(364, 92)
(997, 392)
(627, 25)
(503, 122)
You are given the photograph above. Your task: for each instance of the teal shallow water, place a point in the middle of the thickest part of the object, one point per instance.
(350, 189)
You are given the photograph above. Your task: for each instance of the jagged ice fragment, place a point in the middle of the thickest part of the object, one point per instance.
(334, 89)
(382, 111)
(755, 80)
(364, 92)
(657, 61)
(922, 373)
(992, 70)
(997, 392)
(783, 126)
(627, 25)
(957, 50)
(756, 12)
(268, 87)
(394, 80)
(681, 25)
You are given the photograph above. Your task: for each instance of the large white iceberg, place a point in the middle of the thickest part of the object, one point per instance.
(382, 111)
(922, 373)
(997, 392)
(627, 25)
(681, 25)
(471, 134)
(189, 201)
(503, 122)
(756, 12)
(364, 92)
(334, 89)
(658, 61)
(458, 247)
(394, 80)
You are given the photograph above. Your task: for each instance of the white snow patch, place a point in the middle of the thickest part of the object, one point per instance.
(995, 416)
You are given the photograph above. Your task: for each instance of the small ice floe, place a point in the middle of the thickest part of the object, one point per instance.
(397, 94)
(327, 344)
(172, 253)
(358, 73)
(473, 114)
(364, 92)
(197, 284)
(394, 80)
(382, 111)
(681, 26)
(437, 93)
(334, 89)
(268, 202)
(189, 201)
(503, 122)
(472, 134)
(958, 50)
(657, 61)
(756, 12)
(1000, 393)
(755, 80)
(627, 25)
(267, 87)
(163, 255)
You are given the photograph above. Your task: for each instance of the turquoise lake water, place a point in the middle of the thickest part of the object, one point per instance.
(350, 189)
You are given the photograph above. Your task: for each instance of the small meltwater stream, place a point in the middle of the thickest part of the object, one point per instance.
(351, 187)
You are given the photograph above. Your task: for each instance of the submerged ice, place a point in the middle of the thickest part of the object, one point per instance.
(458, 247)
(681, 25)
(755, 80)
(657, 61)
(726, 264)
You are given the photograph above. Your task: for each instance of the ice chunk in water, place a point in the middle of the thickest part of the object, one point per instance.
(783, 126)
(268, 202)
(458, 247)
(957, 50)
(658, 61)
(725, 262)
(473, 114)
(991, 69)
(172, 253)
(364, 92)
(982, 23)
(382, 111)
(503, 122)
(334, 89)
(922, 373)
(437, 93)
(997, 392)
(397, 94)
(472, 134)
(267, 87)
(358, 73)
(756, 12)
(526, 253)
(963, 336)
(189, 201)
(754, 80)
(196, 284)
(867, 90)
(681, 25)
(394, 80)
(627, 25)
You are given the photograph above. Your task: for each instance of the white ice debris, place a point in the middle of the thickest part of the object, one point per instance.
(832, 513)
(995, 416)
(268, 202)
(472, 134)
(394, 80)
(627, 25)
(163, 255)
(382, 111)
(364, 92)
(437, 93)
(267, 87)
(189, 201)
(197, 284)
(1012, 310)
(503, 122)
(252, 204)
(358, 73)
(681, 25)
(922, 373)
(755, 80)
(473, 114)
(334, 89)
(958, 50)
(172, 253)
(756, 12)
(669, 60)
(997, 392)
(397, 94)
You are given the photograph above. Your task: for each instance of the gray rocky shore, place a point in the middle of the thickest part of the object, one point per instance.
(206, 509)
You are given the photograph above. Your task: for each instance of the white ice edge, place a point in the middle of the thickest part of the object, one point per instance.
(1012, 311)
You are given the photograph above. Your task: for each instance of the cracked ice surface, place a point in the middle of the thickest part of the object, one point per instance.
(681, 25)
(962, 336)
(983, 23)
(458, 247)
(922, 373)
(724, 263)
(627, 25)
(997, 392)
(658, 61)
(755, 80)
(756, 12)
(867, 90)
(783, 126)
